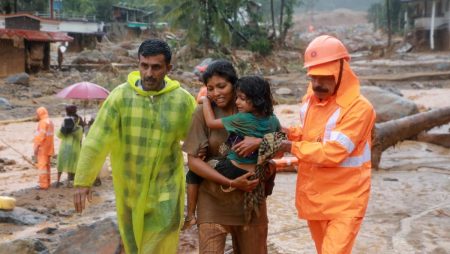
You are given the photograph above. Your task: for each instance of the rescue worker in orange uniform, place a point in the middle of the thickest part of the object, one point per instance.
(43, 146)
(333, 148)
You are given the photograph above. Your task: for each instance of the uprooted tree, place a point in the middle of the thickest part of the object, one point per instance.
(391, 132)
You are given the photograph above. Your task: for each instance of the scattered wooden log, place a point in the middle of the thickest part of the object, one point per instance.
(441, 139)
(21, 120)
(391, 132)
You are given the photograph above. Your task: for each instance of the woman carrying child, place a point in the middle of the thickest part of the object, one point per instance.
(220, 210)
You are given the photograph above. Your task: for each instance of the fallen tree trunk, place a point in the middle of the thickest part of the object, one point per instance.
(441, 139)
(27, 119)
(391, 132)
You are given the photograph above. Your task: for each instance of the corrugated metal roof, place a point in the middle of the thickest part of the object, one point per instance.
(33, 35)
(16, 15)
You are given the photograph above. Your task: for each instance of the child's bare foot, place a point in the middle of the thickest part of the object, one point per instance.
(189, 222)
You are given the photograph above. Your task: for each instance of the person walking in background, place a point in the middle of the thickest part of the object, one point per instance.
(60, 58)
(72, 111)
(141, 124)
(43, 146)
(333, 147)
(70, 134)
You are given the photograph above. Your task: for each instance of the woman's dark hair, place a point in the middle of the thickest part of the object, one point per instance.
(68, 125)
(221, 68)
(257, 90)
(71, 110)
(153, 47)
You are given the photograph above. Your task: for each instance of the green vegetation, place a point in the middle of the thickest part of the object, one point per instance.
(378, 15)
(258, 25)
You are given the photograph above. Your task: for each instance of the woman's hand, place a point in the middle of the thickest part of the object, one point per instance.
(244, 184)
(247, 146)
(202, 153)
(286, 146)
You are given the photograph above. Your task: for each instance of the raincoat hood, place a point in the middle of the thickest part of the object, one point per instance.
(134, 76)
(141, 131)
(348, 89)
(42, 113)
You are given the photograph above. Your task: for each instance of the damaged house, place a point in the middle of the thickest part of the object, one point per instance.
(130, 22)
(431, 19)
(24, 45)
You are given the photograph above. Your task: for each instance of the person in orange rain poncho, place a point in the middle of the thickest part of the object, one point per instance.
(333, 147)
(43, 146)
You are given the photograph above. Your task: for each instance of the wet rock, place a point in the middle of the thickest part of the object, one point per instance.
(66, 213)
(47, 230)
(390, 179)
(394, 90)
(407, 47)
(4, 104)
(111, 56)
(36, 94)
(101, 237)
(21, 216)
(19, 79)
(23, 246)
(89, 56)
(417, 85)
(127, 45)
(284, 91)
(443, 66)
(9, 162)
(388, 105)
(183, 52)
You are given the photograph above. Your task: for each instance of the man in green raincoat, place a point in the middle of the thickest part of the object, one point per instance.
(141, 124)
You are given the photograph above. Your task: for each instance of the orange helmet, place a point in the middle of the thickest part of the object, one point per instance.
(324, 49)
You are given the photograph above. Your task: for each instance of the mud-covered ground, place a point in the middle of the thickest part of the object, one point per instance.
(409, 210)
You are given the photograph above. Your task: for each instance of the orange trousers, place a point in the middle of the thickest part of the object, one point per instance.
(43, 165)
(335, 236)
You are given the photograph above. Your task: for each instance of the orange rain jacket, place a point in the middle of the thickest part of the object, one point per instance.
(333, 146)
(44, 134)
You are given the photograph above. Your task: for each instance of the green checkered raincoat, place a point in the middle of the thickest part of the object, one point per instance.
(142, 131)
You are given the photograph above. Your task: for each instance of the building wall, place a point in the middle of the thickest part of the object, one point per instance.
(15, 56)
(443, 39)
(22, 22)
(80, 27)
(49, 27)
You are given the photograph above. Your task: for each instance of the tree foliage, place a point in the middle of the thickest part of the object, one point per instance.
(254, 24)
(377, 14)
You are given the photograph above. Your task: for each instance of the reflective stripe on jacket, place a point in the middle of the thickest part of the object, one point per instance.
(43, 137)
(333, 146)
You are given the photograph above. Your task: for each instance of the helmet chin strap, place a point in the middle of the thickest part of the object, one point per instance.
(341, 68)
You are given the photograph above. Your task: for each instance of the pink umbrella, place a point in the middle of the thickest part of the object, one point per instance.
(83, 91)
